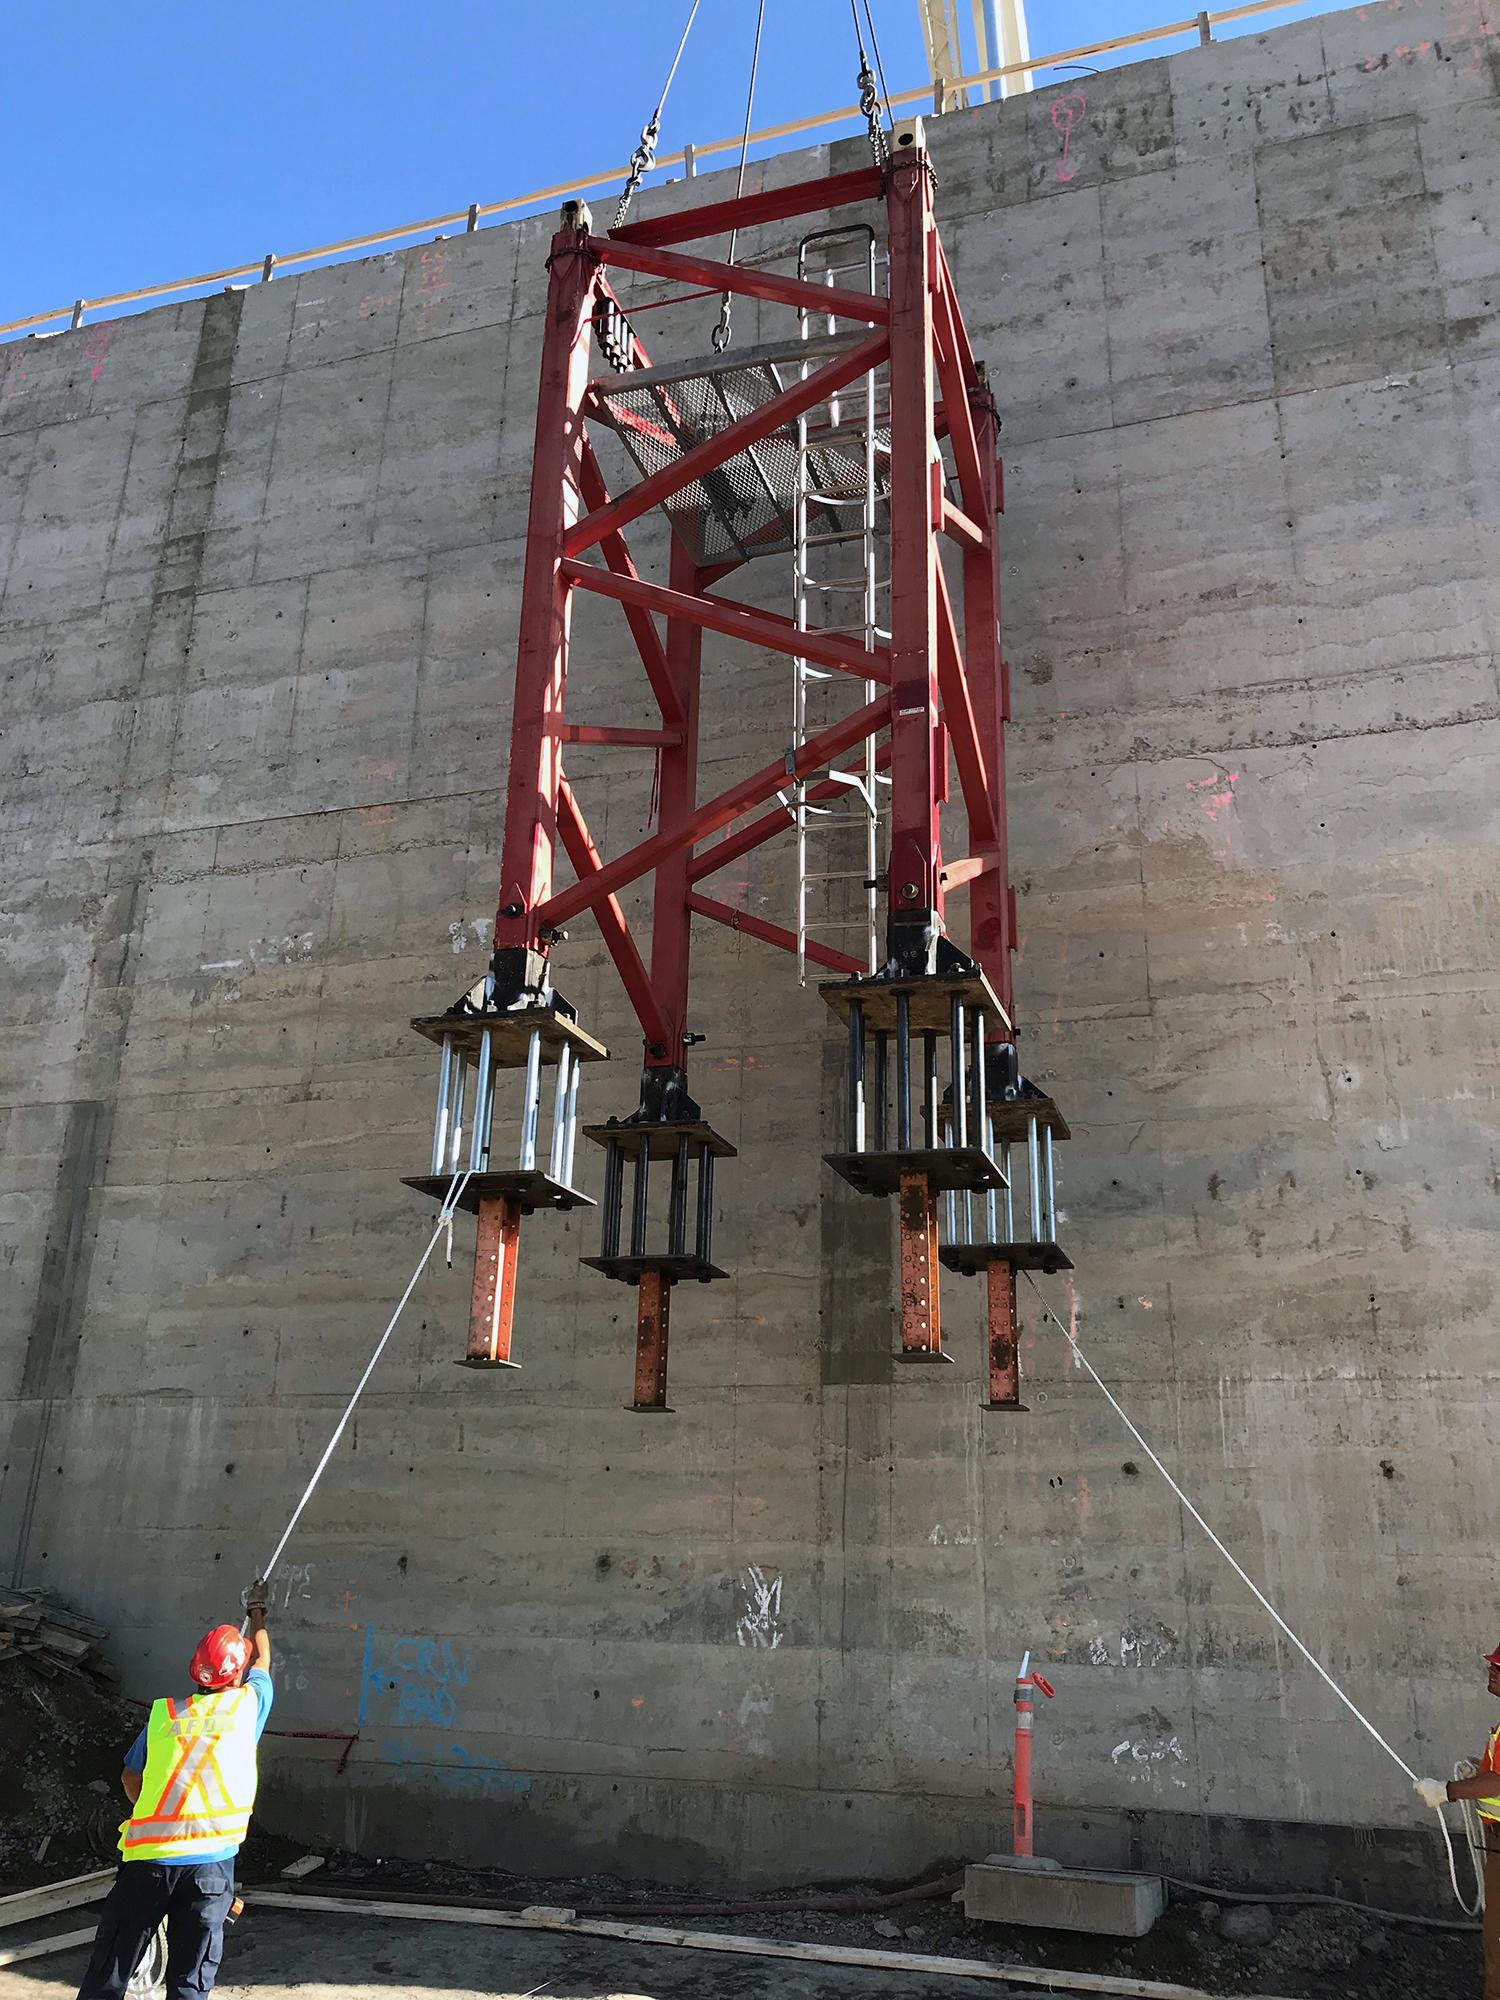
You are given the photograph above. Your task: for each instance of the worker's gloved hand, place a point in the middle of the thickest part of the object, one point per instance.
(254, 1599)
(1432, 1792)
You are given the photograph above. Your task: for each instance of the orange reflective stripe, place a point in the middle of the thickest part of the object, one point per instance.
(151, 1834)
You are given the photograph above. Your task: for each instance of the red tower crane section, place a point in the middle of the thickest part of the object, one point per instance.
(751, 456)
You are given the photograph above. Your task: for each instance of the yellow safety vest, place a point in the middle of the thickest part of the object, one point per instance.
(1489, 1809)
(199, 1782)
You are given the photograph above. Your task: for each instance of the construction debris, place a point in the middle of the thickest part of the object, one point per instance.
(51, 1638)
(63, 1734)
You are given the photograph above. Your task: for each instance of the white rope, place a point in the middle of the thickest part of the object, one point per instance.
(1469, 1812)
(1470, 1816)
(1311, 1658)
(444, 1228)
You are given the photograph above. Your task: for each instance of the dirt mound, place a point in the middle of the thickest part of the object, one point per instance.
(63, 1735)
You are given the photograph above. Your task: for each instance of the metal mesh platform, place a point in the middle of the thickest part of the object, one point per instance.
(745, 507)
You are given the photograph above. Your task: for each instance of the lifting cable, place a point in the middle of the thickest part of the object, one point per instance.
(1255, 1590)
(721, 335)
(444, 1228)
(869, 102)
(643, 159)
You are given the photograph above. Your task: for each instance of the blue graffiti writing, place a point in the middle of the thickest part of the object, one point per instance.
(409, 1682)
(457, 1770)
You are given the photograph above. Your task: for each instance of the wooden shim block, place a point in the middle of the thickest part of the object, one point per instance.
(41, 1947)
(46, 1901)
(915, 1963)
(71, 1645)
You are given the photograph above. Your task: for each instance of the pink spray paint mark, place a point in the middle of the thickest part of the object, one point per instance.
(1072, 1291)
(432, 284)
(1215, 795)
(97, 346)
(1066, 113)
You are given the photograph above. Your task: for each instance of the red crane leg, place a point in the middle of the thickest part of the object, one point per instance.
(492, 1303)
(921, 1334)
(918, 750)
(1005, 1360)
(991, 907)
(546, 595)
(653, 1318)
(671, 928)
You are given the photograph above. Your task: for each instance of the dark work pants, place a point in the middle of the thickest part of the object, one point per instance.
(194, 1899)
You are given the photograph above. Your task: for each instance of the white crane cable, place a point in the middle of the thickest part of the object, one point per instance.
(444, 1227)
(644, 157)
(720, 337)
(1260, 1596)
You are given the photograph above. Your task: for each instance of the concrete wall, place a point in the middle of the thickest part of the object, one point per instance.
(259, 557)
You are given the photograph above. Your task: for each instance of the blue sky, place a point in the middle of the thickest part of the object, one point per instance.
(147, 142)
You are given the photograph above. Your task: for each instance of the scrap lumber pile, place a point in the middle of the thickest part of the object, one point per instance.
(63, 1733)
(51, 1638)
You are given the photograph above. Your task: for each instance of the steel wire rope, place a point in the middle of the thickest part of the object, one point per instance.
(869, 103)
(1254, 1588)
(444, 1227)
(722, 333)
(644, 157)
(879, 65)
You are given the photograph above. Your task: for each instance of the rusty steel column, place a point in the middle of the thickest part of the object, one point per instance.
(921, 1335)
(653, 1318)
(492, 1303)
(1005, 1359)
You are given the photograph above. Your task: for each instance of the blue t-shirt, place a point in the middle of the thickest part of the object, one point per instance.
(135, 1760)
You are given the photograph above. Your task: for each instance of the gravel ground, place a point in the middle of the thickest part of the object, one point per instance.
(1228, 1948)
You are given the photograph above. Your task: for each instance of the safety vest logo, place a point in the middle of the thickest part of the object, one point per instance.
(199, 1783)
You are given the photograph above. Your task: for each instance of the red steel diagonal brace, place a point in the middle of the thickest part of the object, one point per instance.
(717, 451)
(744, 279)
(610, 918)
(769, 629)
(816, 753)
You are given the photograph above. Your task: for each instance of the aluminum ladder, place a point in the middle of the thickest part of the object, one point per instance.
(850, 424)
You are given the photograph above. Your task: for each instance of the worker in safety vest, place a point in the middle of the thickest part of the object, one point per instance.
(190, 1778)
(1484, 1789)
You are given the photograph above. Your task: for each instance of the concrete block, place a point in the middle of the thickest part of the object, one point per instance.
(1440, 54)
(1101, 127)
(1463, 187)
(439, 466)
(1032, 283)
(1351, 283)
(1185, 292)
(1047, 1896)
(60, 555)
(1250, 91)
(466, 282)
(345, 311)
(325, 465)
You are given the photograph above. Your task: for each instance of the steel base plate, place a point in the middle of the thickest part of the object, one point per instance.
(532, 1190)
(476, 1363)
(974, 1259)
(922, 1360)
(630, 1270)
(962, 1168)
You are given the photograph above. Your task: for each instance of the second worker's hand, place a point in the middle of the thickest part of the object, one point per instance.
(1432, 1792)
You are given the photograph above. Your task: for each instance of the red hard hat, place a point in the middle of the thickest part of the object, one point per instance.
(220, 1657)
(1493, 1659)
